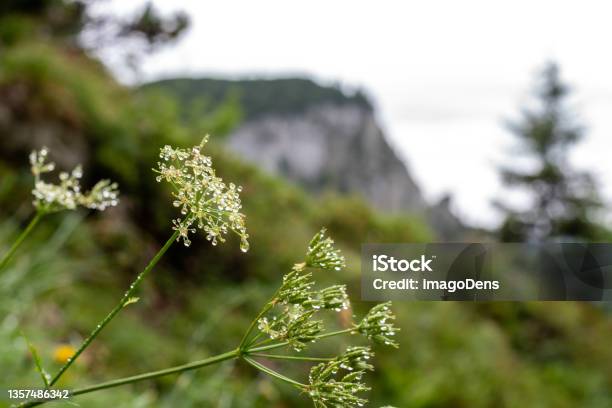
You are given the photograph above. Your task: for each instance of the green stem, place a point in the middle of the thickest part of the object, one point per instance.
(270, 347)
(147, 376)
(273, 373)
(160, 373)
(261, 343)
(254, 339)
(334, 333)
(284, 343)
(127, 295)
(7, 257)
(299, 358)
(253, 323)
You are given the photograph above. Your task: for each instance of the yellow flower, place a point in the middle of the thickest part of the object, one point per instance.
(63, 352)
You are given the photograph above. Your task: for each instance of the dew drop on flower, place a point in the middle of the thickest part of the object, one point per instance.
(244, 245)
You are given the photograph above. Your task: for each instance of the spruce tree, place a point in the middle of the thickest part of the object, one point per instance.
(563, 201)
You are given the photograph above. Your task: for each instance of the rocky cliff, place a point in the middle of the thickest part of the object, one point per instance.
(331, 147)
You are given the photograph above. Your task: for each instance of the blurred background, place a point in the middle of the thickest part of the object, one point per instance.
(398, 122)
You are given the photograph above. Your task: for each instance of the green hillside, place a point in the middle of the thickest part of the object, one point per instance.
(256, 97)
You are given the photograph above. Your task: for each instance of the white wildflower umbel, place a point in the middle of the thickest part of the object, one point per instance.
(334, 298)
(296, 287)
(357, 358)
(293, 325)
(205, 201)
(289, 320)
(104, 194)
(298, 301)
(378, 326)
(67, 194)
(322, 254)
(337, 383)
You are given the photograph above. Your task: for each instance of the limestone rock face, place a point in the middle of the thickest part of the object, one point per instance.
(331, 147)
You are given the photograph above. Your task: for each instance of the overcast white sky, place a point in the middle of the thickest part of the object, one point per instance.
(443, 74)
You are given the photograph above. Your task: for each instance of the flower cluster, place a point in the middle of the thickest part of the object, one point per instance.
(296, 289)
(299, 301)
(378, 326)
(328, 389)
(293, 325)
(205, 201)
(322, 254)
(334, 298)
(289, 319)
(67, 195)
(103, 194)
(356, 358)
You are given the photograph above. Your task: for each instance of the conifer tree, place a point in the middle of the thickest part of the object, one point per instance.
(563, 201)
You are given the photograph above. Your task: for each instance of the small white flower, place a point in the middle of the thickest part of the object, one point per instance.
(322, 254)
(356, 358)
(67, 195)
(293, 325)
(205, 201)
(183, 227)
(103, 195)
(334, 298)
(328, 389)
(378, 326)
(37, 161)
(296, 288)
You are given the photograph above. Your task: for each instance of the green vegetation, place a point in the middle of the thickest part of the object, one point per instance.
(78, 264)
(256, 97)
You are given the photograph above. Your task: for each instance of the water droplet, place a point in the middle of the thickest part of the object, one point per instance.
(244, 245)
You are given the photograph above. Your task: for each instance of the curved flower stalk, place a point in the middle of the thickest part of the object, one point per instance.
(67, 194)
(289, 320)
(206, 202)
